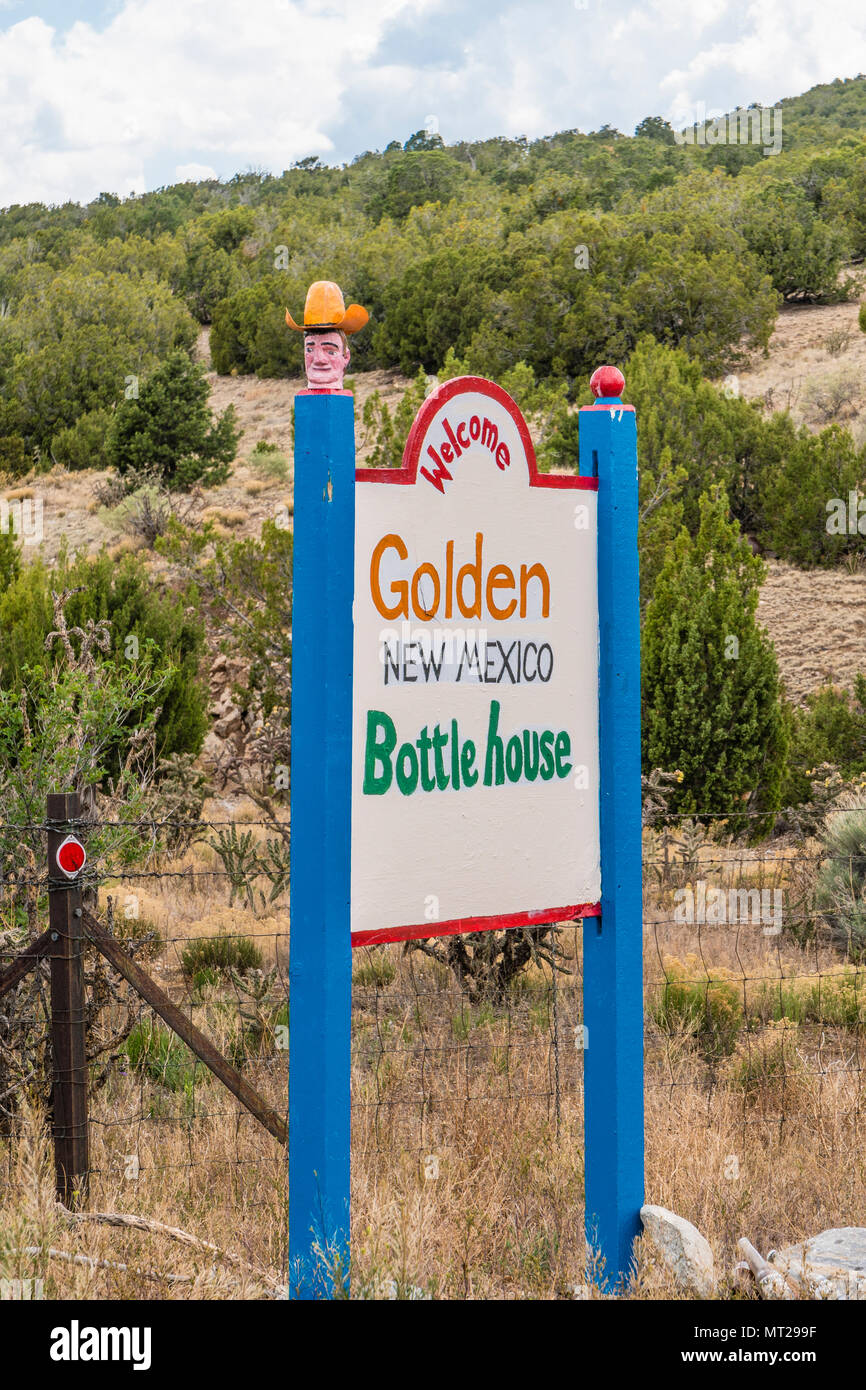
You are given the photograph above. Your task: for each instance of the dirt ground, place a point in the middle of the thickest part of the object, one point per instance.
(811, 342)
(817, 620)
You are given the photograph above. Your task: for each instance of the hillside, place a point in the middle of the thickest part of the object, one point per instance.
(816, 618)
(701, 264)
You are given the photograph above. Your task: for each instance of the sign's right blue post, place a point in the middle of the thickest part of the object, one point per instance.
(613, 942)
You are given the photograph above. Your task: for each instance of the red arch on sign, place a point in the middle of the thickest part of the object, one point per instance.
(407, 475)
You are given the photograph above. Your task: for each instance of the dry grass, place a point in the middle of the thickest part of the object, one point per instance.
(464, 1183)
(225, 516)
(811, 344)
(817, 623)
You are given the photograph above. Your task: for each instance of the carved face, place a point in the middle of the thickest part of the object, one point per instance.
(325, 360)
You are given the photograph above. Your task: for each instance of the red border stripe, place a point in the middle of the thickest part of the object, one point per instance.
(468, 924)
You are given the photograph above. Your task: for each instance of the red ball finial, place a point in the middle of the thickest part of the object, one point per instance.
(607, 381)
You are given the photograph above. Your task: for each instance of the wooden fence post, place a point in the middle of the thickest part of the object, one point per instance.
(613, 942)
(68, 1038)
(320, 957)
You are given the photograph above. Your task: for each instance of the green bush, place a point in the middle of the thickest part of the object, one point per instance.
(375, 970)
(82, 332)
(797, 520)
(16, 459)
(830, 729)
(213, 958)
(82, 445)
(169, 428)
(802, 255)
(840, 892)
(711, 693)
(705, 1004)
(159, 1054)
(123, 593)
(834, 998)
(270, 462)
(249, 332)
(388, 436)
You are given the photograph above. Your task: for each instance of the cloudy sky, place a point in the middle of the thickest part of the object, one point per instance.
(127, 95)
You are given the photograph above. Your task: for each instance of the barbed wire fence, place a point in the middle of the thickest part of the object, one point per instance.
(467, 1054)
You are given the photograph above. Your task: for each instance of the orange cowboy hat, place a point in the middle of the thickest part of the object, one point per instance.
(326, 309)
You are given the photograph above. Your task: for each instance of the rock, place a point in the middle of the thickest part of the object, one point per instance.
(228, 724)
(682, 1248)
(830, 1265)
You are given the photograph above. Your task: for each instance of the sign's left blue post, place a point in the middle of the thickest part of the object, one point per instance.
(320, 961)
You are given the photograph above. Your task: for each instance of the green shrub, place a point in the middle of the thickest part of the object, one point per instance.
(705, 1004)
(249, 331)
(833, 998)
(269, 461)
(169, 428)
(376, 969)
(840, 892)
(838, 999)
(159, 1054)
(16, 458)
(125, 594)
(82, 445)
(711, 694)
(795, 515)
(212, 958)
(830, 729)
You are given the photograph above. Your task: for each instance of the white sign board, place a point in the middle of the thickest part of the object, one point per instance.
(475, 727)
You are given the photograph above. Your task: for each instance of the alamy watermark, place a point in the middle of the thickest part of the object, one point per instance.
(847, 519)
(23, 517)
(759, 125)
(21, 1290)
(706, 905)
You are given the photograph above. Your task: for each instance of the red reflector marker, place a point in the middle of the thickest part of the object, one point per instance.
(71, 857)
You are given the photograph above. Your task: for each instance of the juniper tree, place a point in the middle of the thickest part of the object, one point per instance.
(711, 695)
(168, 427)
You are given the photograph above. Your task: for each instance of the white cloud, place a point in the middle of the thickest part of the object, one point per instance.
(189, 88)
(252, 83)
(194, 173)
(783, 49)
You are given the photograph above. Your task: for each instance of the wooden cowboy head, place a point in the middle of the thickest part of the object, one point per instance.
(327, 322)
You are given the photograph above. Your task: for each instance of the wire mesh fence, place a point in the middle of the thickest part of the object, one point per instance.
(468, 1059)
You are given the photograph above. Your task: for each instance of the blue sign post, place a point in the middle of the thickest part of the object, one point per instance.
(321, 828)
(320, 962)
(613, 942)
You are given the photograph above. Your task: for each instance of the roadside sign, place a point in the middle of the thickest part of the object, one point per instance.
(475, 765)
